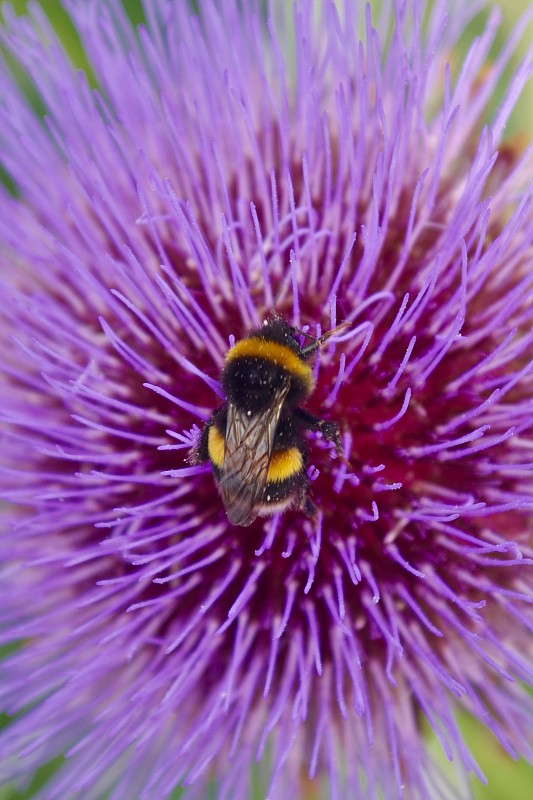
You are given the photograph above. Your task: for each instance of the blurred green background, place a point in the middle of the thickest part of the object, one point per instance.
(507, 780)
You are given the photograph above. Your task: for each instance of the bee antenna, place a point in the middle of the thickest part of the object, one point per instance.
(328, 334)
(318, 342)
(278, 295)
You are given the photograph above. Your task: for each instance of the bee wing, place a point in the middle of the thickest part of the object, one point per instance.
(247, 453)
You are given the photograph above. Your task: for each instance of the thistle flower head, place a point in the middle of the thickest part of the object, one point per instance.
(337, 165)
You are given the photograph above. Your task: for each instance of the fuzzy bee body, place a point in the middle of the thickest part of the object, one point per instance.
(255, 441)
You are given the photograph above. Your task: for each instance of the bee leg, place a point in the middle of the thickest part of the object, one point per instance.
(309, 508)
(200, 453)
(303, 501)
(329, 429)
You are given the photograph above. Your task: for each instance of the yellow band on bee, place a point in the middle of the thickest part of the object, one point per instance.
(283, 463)
(279, 354)
(215, 446)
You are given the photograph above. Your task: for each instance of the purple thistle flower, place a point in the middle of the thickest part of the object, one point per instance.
(224, 162)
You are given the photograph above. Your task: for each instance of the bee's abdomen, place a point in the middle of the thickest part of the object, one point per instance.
(284, 464)
(279, 495)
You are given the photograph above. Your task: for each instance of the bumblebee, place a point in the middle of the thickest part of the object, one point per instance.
(255, 441)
